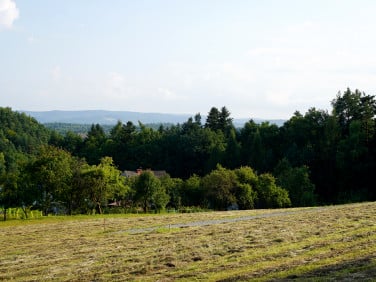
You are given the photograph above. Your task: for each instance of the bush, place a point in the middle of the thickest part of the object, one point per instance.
(269, 194)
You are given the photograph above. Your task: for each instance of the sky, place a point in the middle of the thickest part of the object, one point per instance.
(259, 59)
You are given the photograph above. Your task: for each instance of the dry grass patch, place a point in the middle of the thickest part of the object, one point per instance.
(336, 242)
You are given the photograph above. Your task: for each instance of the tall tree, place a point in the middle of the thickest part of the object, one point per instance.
(192, 193)
(213, 119)
(247, 133)
(173, 187)
(232, 154)
(219, 186)
(93, 149)
(245, 191)
(7, 192)
(355, 113)
(269, 195)
(356, 105)
(297, 182)
(225, 121)
(103, 182)
(51, 173)
(219, 120)
(149, 192)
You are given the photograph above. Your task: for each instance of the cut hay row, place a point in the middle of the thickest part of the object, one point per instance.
(334, 242)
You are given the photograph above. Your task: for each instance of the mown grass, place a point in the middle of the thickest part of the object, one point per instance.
(331, 243)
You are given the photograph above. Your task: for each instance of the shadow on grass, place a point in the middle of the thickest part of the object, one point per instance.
(362, 269)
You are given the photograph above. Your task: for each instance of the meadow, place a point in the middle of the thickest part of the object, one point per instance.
(332, 243)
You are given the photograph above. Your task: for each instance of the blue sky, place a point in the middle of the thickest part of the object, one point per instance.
(260, 59)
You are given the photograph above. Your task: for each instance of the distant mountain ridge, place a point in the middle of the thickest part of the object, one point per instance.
(112, 117)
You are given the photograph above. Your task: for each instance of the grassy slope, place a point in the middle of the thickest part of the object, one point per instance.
(337, 242)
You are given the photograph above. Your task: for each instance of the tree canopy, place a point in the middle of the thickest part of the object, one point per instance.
(318, 157)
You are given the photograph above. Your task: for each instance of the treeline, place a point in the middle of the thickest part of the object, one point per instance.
(318, 157)
(38, 175)
(56, 182)
(83, 129)
(336, 148)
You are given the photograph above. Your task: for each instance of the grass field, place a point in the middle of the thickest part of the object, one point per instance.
(334, 243)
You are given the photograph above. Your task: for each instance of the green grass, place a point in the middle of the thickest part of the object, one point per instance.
(320, 244)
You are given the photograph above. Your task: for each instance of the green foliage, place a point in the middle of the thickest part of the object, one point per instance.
(219, 188)
(246, 175)
(50, 173)
(19, 213)
(20, 139)
(149, 192)
(243, 187)
(232, 153)
(259, 145)
(192, 193)
(219, 120)
(71, 142)
(269, 194)
(351, 106)
(2, 164)
(94, 144)
(245, 192)
(355, 157)
(76, 128)
(101, 183)
(160, 198)
(8, 187)
(19, 131)
(173, 187)
(245, 196)
(296, 181)
(317, 157)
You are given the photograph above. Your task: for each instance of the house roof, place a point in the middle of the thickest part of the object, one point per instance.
(159, 173)
(131, 173)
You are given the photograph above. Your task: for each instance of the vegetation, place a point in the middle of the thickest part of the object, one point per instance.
(332, 243)
(82, 129)
(315, 158)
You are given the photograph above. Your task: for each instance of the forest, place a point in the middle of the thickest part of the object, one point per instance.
(314, 158)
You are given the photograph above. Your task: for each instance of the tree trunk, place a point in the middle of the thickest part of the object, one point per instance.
(24, 209)
(145, 206)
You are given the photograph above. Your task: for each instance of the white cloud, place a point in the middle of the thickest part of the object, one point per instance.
(8, 13)
(120, 90)
(303, 27)
(118, 87)
(116, 81)
(279, 97)
(56, 73)
(167, 94)
(31, 39)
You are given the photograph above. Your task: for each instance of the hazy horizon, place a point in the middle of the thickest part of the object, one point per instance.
(260, 59)
(112, 117)
(204, 114)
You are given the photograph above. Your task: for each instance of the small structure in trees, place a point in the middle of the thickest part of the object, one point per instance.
(131, 173)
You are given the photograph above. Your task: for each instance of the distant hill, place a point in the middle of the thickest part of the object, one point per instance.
(105, 117)
(20, 133)
(241, 121)
(112, 117)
